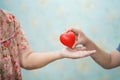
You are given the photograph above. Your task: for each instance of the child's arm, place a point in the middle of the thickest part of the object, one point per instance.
(106, 60)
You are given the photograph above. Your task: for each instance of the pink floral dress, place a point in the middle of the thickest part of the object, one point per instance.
(13, 43)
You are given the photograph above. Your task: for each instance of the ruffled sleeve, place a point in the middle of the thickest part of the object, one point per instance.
(22, 42)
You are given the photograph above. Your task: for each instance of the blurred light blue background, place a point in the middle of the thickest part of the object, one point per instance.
(44, 20)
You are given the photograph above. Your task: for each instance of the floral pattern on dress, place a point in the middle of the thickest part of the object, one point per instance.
(13, 42)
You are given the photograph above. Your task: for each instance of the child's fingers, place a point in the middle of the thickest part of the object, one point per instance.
(76, 49)
(77, 44)
(76, 30)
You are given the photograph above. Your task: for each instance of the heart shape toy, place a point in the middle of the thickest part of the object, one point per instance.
(68, 38)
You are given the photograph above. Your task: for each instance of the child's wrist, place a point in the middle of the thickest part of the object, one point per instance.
(87, 42)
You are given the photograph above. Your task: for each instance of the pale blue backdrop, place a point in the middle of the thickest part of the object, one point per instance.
(44, 20)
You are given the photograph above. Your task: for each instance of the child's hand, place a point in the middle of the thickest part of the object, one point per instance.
(80, 36)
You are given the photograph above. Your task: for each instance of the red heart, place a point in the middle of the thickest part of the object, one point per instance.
(68, 38)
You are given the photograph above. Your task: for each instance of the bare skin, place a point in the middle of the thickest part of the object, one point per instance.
(34, 60)
(106, 60)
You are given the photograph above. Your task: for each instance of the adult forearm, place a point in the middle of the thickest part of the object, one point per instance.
(38, 60)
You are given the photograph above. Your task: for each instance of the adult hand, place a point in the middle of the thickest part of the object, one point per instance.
(75, 53)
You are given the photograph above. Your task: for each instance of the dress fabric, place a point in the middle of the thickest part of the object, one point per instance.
(13, 43)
